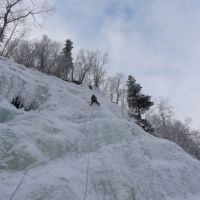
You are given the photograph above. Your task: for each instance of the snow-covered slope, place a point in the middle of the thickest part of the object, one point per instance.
(64, 149)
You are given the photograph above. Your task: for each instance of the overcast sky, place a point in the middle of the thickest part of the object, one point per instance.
(156, 41)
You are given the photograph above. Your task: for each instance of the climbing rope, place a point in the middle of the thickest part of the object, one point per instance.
(25, 173)
(19, 184)
(87, 176)
(87, 169)
(88, 156)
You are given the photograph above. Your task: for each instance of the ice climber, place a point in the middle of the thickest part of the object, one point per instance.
(94, 100)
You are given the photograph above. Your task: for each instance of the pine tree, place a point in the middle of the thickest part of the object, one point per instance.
(133, 90)
(143, 104)
(138, 103)
(67, 61)
(67, 50)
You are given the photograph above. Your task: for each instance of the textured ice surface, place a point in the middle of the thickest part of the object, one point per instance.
(54, 141)
(6, 115)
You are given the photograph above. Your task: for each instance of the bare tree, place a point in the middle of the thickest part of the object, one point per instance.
(118, 84)
(43, 54)
(160, 116)
(82, 66)
(109, 88)
(98, 72)
(113, 87)
(40, 54)
(89, 67)
(13, 11)
(14, 16)
(167, 127)
(164, 111)
(23, 53)
(54, 50)
(10, 44)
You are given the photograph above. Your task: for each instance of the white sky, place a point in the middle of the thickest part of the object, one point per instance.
(156, 41)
